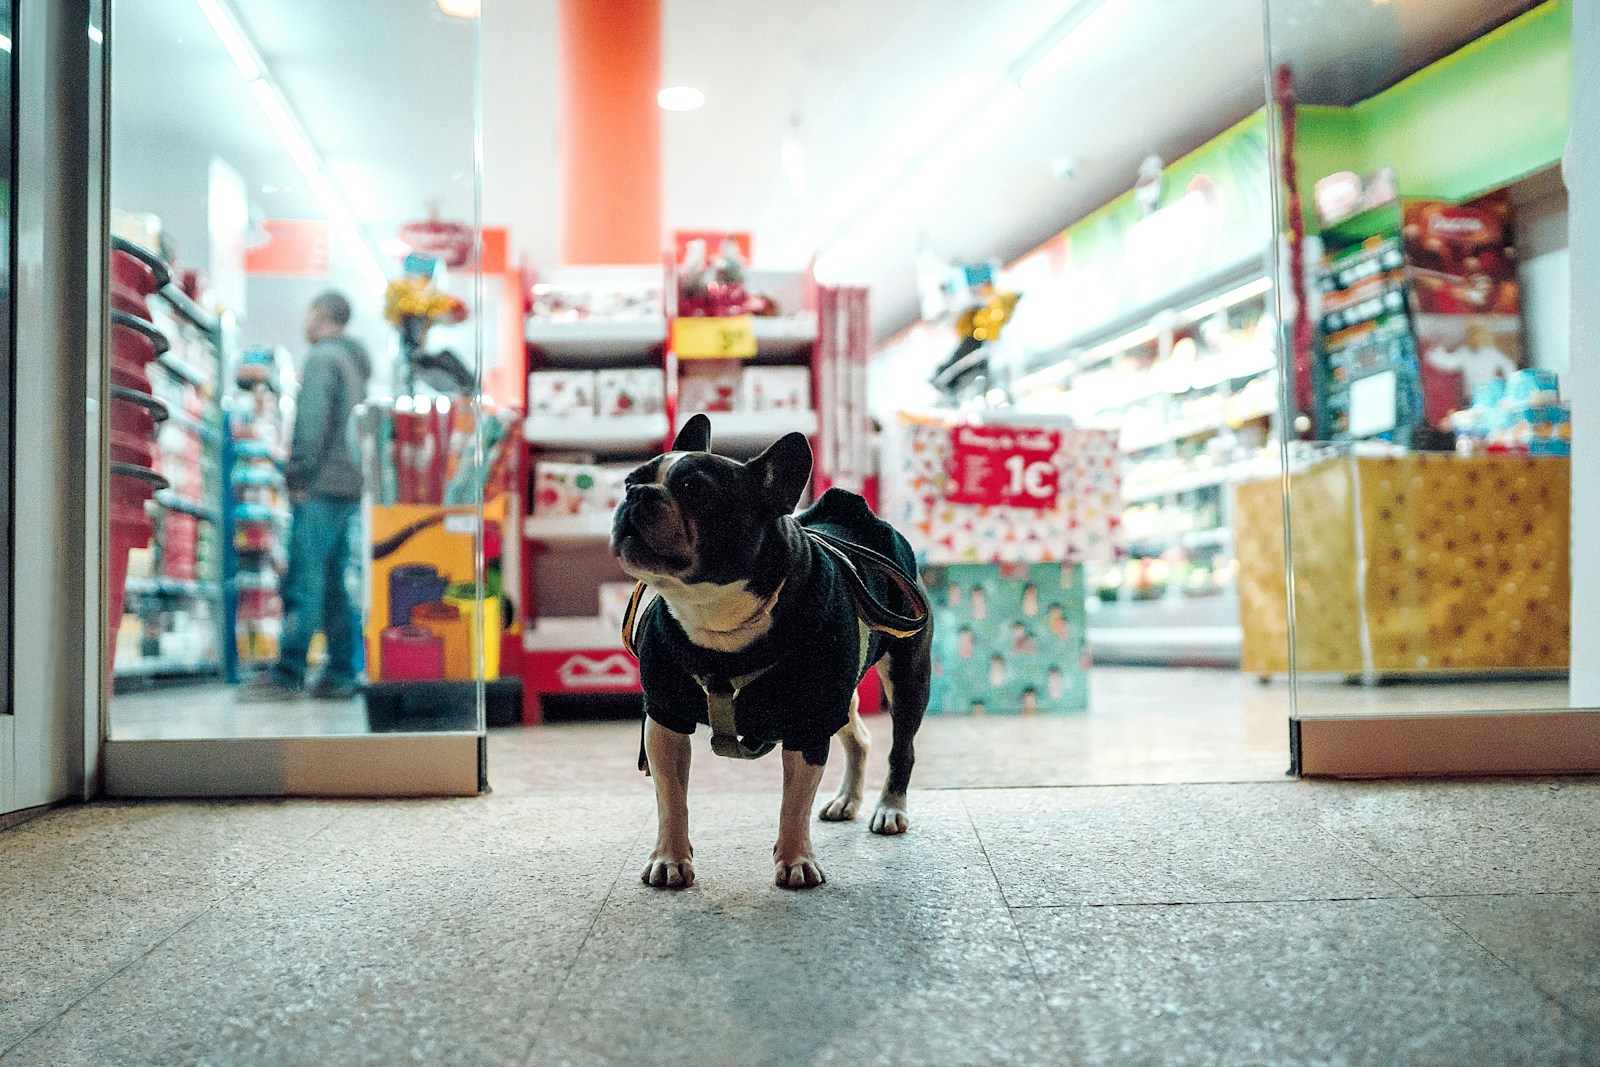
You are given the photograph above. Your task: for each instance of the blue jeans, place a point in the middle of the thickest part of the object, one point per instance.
(314, 593)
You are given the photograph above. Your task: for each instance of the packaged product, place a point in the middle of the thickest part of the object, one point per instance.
(776, 389)
(561, 392)
(576, 488)
(630, 391)
(708, 385)
(1533, 387)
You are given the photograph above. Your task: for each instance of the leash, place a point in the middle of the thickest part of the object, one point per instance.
(872, 615)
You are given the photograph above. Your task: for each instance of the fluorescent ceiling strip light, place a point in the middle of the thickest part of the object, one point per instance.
(232, 37)
(994, 102)
(295, 142)
(1069, 35)
(288, 130)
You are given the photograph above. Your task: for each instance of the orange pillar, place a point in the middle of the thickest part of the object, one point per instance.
(610, 132)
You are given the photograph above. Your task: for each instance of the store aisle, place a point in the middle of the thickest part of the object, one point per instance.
(1236, 923)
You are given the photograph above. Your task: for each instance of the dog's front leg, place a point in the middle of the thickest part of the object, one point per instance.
(796, 863)
(672, 863)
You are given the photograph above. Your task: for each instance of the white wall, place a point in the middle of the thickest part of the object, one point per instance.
(1544, 269)
(1584, 376)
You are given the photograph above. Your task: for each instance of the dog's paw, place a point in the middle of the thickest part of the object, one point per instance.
(841, 808)
(669, 870)
(890, 819)
(797, 871)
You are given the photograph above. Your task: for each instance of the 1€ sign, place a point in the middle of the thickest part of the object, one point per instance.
(1004, 465)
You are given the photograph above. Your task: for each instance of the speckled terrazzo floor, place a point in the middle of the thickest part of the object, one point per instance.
(1244, 923)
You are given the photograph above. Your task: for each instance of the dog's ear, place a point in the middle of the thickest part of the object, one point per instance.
(695, 436)
(782, 471)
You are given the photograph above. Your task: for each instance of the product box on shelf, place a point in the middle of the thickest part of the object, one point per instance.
(775, 389)
(630, 391)
(576, 488)
(614, 597)
(561, 392)
(709, 385)
(1009, 639)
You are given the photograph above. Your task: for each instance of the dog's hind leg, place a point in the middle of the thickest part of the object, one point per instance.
(856, 740)
(906, 677)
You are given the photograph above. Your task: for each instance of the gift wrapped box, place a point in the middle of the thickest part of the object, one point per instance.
(1009, 639)
(1083, 523)
(775, 389)
(630, 391)
(561, 392)
(708, 385)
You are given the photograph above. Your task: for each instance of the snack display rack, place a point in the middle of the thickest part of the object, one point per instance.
(173, 624)
(576, 450)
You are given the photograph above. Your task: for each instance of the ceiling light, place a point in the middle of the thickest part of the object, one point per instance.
(288, 130)
(1070, 35)
(5, 43)
(461, 9)
(680, 98)
(232, 38)
(95, 35)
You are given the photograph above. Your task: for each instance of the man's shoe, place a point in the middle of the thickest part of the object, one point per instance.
(335, 689)
(268, 687)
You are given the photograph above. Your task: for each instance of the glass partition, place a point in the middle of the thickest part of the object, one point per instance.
(304, 523)
(1426, 310)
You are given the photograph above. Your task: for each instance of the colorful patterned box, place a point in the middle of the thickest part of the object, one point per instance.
(630, 391)
(1083, 526)
(561, 392)
(576, 488)
(1009, 639)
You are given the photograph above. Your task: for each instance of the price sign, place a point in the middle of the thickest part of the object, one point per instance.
(1004, 465)
(714, 338)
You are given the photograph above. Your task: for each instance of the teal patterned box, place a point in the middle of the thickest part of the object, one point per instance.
(1009, 638)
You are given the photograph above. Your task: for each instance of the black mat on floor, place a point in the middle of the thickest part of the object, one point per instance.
(408, 707)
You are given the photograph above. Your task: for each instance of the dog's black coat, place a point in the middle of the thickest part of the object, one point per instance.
(813, 645)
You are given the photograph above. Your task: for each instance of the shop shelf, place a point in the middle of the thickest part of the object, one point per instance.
(179, 301)
(1221, 535)
(602, 341)
(183, 370)
(567, 529)
(168, 499)
(625, 433)
(572, 634)
(740, 432)
(168, 668)
(1204, 479)
(1177, 431)
(789, 335)
(172, 587)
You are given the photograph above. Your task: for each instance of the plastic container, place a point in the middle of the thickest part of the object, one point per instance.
(454, 631)
(137, 269)
(132, 449)
(134, 342)
(488, 629)
(411, 654)
(131, 528)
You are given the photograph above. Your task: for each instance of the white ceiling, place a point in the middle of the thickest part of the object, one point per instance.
(384, 89)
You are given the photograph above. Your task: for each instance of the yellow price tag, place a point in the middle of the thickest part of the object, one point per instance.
(733, 337)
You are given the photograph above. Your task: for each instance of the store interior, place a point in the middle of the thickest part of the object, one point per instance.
(1216, 375)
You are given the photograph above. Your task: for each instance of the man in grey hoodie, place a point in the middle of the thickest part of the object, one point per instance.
(324, 476)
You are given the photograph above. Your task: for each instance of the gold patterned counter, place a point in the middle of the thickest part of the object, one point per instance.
(1413, 564)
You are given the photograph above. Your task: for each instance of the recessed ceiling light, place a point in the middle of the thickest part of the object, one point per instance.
(680, 98)
(461, 9)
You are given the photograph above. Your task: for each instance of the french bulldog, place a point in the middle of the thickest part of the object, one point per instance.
(757, 625)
